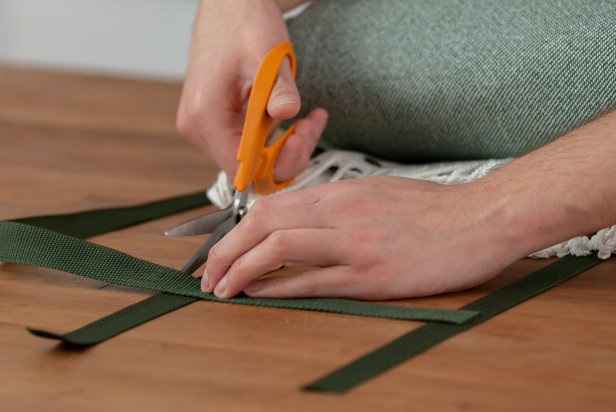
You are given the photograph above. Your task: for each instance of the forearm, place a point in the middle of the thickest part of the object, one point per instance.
(562, 190)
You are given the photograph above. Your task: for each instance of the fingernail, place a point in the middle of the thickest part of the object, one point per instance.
(205, 282)
(254, 287)
(221, 287)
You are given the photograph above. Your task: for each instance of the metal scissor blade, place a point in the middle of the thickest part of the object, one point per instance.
(200, 256)
(200, 225)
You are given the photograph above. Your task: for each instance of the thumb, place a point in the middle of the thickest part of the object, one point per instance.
(284, 101)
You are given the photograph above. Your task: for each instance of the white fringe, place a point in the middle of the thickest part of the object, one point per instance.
(335, 165)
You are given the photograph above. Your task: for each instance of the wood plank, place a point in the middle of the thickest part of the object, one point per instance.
(77, 101)
(73, 142)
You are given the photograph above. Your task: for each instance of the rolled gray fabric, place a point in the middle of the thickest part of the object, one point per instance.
(426, 80)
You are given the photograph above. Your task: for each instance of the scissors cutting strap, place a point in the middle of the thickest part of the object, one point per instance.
(200, 225)
(200, 256)
(26, 244)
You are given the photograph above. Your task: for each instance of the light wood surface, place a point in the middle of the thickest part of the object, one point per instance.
(73, 142)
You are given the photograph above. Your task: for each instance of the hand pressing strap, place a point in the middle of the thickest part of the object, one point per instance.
(26, 244)
(20, 242)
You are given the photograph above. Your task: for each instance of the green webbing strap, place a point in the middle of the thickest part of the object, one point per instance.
(95, 222)
(120, 321)
(26, 244)
(426, 336)
(22, 243)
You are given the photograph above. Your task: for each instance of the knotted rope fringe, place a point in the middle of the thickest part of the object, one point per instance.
(334, 165)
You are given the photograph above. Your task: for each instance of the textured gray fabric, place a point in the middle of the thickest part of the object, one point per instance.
(440, 79)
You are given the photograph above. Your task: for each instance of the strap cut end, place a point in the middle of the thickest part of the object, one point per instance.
(44, 334)
(66, 340)
(316, 387)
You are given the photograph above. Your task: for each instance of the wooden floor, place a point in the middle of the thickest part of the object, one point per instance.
(76, 142)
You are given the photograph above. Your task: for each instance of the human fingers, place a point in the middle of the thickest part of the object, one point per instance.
(297, 198)
(284, 101)
(213, 124)
(283, 248)
(295, 154)
(254, 228)
(334, 281)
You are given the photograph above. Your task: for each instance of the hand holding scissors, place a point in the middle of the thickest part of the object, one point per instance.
(256, 161)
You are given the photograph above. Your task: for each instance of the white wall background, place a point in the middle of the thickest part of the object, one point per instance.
(146, 38)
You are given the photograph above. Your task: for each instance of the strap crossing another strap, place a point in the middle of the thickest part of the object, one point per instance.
(31, 245)
(20, 242)
(51, 241)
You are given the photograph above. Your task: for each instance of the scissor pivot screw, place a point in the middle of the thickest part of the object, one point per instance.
(241, 212)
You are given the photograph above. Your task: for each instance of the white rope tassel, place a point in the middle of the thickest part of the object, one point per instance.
(604, 242)
(328, 167)
(335, 165)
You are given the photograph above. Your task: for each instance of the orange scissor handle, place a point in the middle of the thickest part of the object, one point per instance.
(263, 181)
(256, 161)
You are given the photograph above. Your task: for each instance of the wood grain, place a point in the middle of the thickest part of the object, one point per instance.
(72, 142)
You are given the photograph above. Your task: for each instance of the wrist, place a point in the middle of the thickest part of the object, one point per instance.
(517, 221)
(528, 212)
(499, 222)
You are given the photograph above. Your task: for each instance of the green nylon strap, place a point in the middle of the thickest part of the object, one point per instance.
(20, 242)
(429, 335)
(99, 221)
(26, 244)
(95, 222)
(120, 321)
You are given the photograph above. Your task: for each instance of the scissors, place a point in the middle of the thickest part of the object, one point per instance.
(256, 161)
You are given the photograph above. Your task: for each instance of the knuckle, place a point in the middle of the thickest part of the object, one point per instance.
(279, 243)
(309, 285)
(194, 110)
(189, 119)
(260, 204)
(253, 220)
(183, 124)
(312, 197)
(216, 254)
(238, 268)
